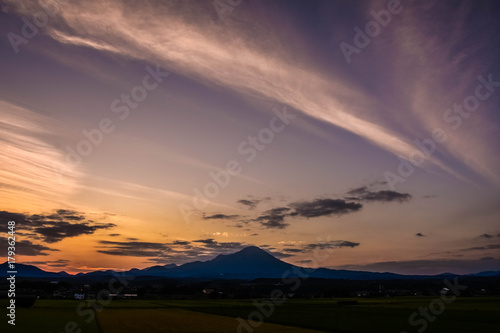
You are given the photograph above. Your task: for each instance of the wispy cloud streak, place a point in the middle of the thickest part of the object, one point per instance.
(222, 54)
(245, 56)
(28, 164)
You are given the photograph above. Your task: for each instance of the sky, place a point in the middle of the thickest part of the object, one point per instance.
(341, 134)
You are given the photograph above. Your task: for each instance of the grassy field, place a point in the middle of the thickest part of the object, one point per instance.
(370, 315)
(475, 314)
(48, 316)
(126, 320)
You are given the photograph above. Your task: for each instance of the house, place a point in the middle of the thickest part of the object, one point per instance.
(79, 296)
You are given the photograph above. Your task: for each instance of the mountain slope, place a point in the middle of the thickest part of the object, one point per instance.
(29, 271)
(249, 263)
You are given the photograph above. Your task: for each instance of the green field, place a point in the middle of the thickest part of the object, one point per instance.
(47, 316)
(474, 314)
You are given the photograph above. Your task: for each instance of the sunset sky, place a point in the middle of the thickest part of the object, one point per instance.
(137, 133)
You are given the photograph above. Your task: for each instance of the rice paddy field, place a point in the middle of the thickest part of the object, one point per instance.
(471, 314)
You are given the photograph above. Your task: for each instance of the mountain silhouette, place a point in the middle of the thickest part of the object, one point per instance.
(29, 271)
(247, 264)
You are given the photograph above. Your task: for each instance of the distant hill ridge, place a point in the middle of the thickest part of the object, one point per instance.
(249, 263)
